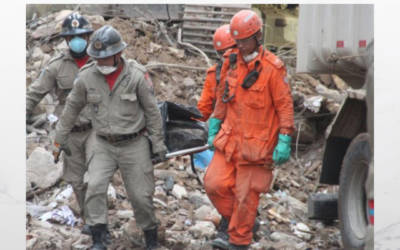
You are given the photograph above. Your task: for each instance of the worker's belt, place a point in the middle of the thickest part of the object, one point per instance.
(82, 128)
(120, 138)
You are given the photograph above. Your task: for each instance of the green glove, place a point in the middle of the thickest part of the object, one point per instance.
(214, 126)
(282, 150)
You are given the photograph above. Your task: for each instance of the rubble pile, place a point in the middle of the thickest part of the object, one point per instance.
(144, 46)
(188, 219)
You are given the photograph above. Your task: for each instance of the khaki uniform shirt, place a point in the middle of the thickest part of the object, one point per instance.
(59, 74)
(126, 109)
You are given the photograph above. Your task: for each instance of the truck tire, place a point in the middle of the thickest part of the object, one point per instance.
(353, 217)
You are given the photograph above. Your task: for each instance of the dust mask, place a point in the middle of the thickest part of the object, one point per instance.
(250, 57)
(106, 70)
(77, 44)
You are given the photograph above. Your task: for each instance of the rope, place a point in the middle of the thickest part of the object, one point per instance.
(302, 170)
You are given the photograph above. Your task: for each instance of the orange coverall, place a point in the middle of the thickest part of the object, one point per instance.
(252, 120)
(207, 100)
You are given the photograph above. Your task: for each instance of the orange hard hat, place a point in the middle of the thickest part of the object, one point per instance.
(222, 38)
(244, 24)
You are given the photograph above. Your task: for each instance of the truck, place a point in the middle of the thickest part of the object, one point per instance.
(332, 39)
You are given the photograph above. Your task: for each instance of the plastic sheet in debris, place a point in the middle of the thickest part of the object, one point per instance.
(203, 159)
(63, 215)
(180, 129)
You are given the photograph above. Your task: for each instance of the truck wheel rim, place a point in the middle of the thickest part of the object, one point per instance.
(357, 201)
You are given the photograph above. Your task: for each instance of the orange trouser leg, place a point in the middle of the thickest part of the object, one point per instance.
(219, 183)
(234, 190)
(251, 181)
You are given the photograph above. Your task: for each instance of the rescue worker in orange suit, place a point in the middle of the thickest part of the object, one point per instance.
(223, 41)
(250, 128)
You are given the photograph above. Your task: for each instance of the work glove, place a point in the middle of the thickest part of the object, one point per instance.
(213, 129)
(160, 157)
(282, 150)
(57, 149)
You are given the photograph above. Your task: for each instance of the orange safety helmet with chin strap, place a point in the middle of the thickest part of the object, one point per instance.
(244, 24)
(222, 38)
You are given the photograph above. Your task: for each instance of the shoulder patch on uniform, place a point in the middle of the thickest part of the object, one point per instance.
(274, 60)
(57, 57)
(140, 67)
(284, 77)
(149, 82)
(212, 69)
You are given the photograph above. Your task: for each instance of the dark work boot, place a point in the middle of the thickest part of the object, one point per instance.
(222, 239)
(106, 237)
(86, 230)
(97, 236)
(150, 238)
(238, 247)
(256, 227)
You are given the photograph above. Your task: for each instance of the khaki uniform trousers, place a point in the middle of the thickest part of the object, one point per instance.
(132, 157)
(76, 165)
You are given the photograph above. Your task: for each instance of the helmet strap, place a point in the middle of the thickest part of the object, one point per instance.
(115, 60)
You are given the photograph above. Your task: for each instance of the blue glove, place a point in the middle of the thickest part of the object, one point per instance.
(214, 127)
(282, 150)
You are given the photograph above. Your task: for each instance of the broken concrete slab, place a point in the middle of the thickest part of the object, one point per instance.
(179, 192)
(41, 169)
(132, 234)
(202, 229)
(282, 237)
(202, 212)
(37, 54)
(297, 209)
(124, 214)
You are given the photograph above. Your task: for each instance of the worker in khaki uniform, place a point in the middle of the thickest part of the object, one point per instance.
(124, 110)
(250, 128)
(59, 75)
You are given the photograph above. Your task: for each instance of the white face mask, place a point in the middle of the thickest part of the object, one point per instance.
(250, 57)
(106, 70)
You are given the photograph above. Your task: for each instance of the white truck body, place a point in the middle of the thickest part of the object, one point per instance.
(335, 31)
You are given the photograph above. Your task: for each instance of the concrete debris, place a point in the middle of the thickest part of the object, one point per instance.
(37, 54)
(202, 212)
(41, 169)
(202, 229)
(124, 214)
(179, 192)
(282, 237)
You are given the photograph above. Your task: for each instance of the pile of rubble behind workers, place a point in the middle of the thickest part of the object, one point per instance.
(189, 221)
